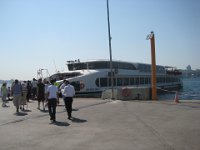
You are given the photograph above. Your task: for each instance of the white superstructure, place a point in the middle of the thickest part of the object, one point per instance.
(94, 76)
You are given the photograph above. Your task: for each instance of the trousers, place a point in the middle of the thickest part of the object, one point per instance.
(68, 105)
(52, 103)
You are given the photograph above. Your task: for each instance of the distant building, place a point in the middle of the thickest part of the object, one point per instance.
(189, 68)
(189, 73)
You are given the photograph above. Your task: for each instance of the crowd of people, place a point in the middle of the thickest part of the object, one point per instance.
(47, 93)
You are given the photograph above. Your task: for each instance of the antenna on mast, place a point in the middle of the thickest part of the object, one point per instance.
(55, 66)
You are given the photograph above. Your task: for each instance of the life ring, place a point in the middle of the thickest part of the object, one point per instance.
(126, 92)
(82, 85)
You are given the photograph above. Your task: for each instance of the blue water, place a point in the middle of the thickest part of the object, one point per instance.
(190, 91)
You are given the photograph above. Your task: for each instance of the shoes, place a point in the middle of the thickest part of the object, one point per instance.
(70, 118)
(4, 105)
(52, 122)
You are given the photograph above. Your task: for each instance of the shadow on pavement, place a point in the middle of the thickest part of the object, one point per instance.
(27, 110)
(21, 114)
(44, 111)
(77, 120)
(75, 109)
(61, 124)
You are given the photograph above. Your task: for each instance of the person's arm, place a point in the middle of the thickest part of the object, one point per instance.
(73, 91)
(57, 97)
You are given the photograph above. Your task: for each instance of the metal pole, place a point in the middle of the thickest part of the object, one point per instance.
(110, 50)
(153, 67)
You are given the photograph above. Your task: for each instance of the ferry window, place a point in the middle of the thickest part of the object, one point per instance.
(119, 81)
(167, 79)
(144, 67)
(160, 69)
(157, 80)
(114, 81)
(132, 81)
(77, 66)
(127, 66)
(97, 82)
(126, 81)
(98, 65)
(103, 82)
(141, 80)
(146, 80)
(137, 81)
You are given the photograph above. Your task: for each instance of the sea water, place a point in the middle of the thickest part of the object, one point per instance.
(190, 91)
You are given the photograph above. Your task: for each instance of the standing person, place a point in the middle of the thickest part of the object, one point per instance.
(34, 88)
(53, 99)
(61, 89)
(40, 93)
(28, 87)
(46, 84)
(4, 94)
(68, 93)
(23, 97)
(9, 93)
(16, 92)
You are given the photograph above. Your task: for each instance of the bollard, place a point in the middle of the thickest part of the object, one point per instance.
(176, 98)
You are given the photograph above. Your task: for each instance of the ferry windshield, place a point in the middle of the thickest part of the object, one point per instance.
(100, 65)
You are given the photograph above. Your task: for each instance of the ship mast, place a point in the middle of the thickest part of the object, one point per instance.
(110, 50)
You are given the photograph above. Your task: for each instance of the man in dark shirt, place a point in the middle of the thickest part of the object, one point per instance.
(41, 94)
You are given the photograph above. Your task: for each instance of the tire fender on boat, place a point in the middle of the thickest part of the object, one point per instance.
(82, 85)
(126, 92)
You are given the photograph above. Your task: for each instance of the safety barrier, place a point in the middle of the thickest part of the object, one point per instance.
(128, 93)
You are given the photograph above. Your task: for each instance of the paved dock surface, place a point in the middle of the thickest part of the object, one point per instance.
(104, 125)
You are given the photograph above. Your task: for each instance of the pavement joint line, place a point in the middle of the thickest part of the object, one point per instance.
(43, 115)
(162, 140)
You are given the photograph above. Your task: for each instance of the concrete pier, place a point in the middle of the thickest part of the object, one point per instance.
(104, 125)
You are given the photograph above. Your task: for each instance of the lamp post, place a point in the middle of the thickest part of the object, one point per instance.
(110, 50)
(153, 65)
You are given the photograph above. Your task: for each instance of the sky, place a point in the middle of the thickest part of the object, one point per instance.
(44, 34)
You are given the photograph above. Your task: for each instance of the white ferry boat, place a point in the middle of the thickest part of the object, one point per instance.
(94, 76)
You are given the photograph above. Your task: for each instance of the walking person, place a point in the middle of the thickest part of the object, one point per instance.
(40, 93)
(4, 94)
(68, 93)
(16, 92)
(23, 96)
(34, 88)
(61, 89)
(46, 84)
(9, 93)
(28, 87)
(53, 99)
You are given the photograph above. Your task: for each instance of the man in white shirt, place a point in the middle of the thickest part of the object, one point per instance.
(61, 89)
(68, 94)
(53, 99)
